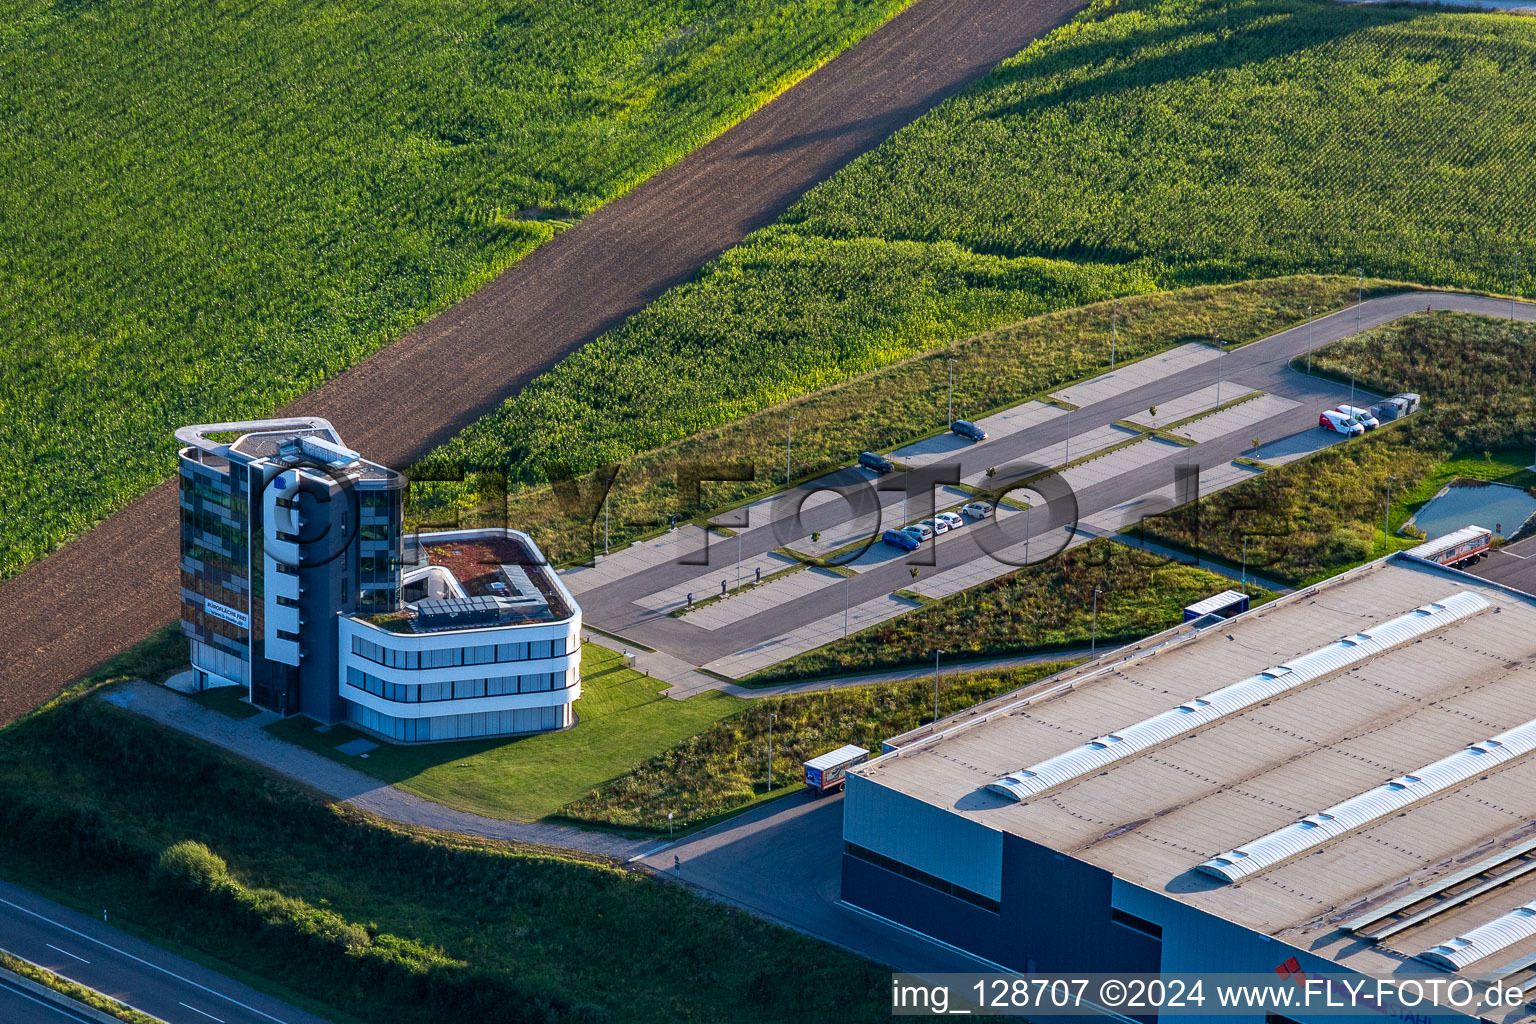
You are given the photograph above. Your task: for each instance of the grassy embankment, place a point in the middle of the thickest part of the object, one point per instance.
(725, 767)
(362, 922)
(1317, 516)
(1043, 608)
(1148, 144)
(313, 179)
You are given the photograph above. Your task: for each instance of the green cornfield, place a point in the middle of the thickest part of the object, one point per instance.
(206, 209)
(1148, 144)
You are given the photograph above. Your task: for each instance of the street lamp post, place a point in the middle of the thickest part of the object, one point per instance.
(1311, 337)
(669, 824)
(789, 440)
(1351, 388)
(605, 526)
(1114, 334)
(738, 559)
(1386, 519)
(846, 585)
(936, 653)
(1245, 558)
(1220, 352)
(1093, 643)
(1026, 530)
(1515, 291)
(951, 391)
(1067, 458)
(772, 717)
(1359, 297)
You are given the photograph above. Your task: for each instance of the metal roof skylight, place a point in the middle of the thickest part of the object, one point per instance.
(1369, 807)
(1484, 940)
(1101, 752)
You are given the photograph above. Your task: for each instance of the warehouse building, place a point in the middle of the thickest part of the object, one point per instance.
(299, 583)
(1341, 782)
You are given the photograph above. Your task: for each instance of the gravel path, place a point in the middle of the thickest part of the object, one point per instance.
(248, 739)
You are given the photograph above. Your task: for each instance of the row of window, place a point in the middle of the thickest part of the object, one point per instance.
(456, 689)
(922, 877)
(457, 727)
(453, 657)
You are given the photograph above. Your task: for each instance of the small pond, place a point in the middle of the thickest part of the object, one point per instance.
(1491, 507)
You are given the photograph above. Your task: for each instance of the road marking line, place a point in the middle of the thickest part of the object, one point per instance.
(66, 952)
(139, 959)
(40, 1002)
(204, 1013)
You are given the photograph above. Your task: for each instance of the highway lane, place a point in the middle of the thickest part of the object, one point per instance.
(1263, 364)
(130, 970)
(18, 1006)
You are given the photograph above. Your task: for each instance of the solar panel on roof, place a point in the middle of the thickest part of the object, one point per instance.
(448, 612)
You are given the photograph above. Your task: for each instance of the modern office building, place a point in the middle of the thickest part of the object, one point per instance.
(299, 583)
(1340, 783)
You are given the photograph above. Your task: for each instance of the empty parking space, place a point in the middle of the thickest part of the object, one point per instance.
(1134, 375)
(1235, 418)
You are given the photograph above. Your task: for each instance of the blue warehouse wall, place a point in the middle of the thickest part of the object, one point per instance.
(1054, 915)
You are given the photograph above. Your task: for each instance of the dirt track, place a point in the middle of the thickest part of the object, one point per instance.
(115, 585)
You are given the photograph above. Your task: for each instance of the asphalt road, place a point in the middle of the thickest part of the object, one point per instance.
(783, 862)
(18, 1006)
(112, 587)
(1262, 365)
(130, 970)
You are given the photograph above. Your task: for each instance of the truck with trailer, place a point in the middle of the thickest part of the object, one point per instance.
(1458, 549)
(829, 771)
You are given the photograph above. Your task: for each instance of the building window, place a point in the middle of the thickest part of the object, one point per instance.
(1135, 923)
(922, 877)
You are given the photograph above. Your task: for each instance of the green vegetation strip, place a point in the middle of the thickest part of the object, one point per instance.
(1042, 608)
(1314, 517)
(725, 768)
(313, 179)
(622, 720)
(210, 858)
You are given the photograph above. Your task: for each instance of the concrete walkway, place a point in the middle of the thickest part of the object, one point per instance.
(247, 739)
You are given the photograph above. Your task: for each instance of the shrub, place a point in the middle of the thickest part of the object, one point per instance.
(191, 865)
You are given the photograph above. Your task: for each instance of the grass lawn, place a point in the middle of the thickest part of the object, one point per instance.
(236, 202)
(623, 720)
(724, 769)
(1148, 144)
(358, 921)
(1045, 607)
(1315, 517)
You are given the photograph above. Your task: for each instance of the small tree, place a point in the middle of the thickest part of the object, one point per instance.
(913, 571)
(1153, 413)
(816, 537)
(1255, 442)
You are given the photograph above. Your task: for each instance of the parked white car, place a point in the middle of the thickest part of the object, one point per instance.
(1336, 421)
(922, 531)
(950, 519)
(935, 524)
(1360, 416)
(977, 509)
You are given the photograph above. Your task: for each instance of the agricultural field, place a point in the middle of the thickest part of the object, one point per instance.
(1042, 608)
(1148, 144)
(1315, 517)
(725, 767)
(368, 924)
(207, 210)
(890, 406)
